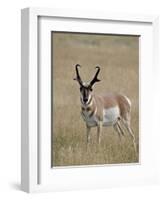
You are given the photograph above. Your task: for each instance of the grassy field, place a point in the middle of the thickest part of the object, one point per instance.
(118, 57)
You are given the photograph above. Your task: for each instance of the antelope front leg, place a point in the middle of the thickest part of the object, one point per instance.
(99, 130)
(88, 134)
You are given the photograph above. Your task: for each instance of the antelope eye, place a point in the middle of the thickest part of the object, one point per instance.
(90, 88)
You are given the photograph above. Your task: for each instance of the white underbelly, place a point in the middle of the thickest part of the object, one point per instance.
(110, 116)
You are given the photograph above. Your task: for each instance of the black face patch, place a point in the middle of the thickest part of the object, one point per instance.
(85, 91)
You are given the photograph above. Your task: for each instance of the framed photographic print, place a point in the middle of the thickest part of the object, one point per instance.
(87, 109)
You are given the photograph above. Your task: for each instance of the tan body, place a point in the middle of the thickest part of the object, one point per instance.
(107, 110)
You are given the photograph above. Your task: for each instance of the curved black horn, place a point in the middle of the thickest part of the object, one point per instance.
(95, 79)
(77, 75)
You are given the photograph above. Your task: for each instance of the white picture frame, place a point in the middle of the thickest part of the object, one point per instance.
(36, 171)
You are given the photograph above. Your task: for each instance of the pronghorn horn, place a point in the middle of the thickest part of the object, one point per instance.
(77, 75)
(95, 79)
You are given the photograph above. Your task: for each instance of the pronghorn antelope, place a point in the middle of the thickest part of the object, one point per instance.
(104, 110)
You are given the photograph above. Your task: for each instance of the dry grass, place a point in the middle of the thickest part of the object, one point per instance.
(118, 58)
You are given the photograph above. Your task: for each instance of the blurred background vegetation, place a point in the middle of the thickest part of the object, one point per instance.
(118, 57)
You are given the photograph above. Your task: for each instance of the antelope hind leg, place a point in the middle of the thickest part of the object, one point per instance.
(131, 133)
(120, 127)
(133, 138)
(116, 128)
